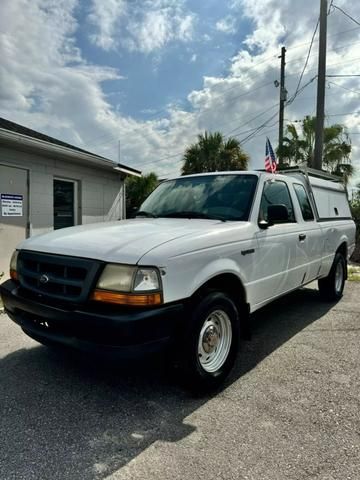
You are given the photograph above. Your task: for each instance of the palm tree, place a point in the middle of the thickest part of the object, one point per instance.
(337, 147)
(138, 189)
(212, 153)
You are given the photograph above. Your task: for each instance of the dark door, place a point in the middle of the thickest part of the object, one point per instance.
(64, 204)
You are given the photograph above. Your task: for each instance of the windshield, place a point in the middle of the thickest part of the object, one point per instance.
(223, 197)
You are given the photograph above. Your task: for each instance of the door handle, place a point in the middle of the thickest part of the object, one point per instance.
(302, 237)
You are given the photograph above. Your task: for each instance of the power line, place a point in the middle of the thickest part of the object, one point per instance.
(261, 86)
(307, 57)
(297, 93)
(249, 137)
(171, 173)
(350, 60)
(239, 96)
(349, 75)
(343, 114)
(293, 96)
(346, 14)
(331, 35)
(203, 110)
(298, 59)
(344, 88)
(249, 121)
(112, 138)
(225, 135)
(258, 129)
(255, 131)
(231, 132)
(156, 114)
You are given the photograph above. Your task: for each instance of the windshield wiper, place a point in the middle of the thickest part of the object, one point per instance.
(143, 213)
(191, 214)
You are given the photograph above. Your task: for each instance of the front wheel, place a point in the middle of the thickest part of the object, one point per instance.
(331, 287)
(210, 345)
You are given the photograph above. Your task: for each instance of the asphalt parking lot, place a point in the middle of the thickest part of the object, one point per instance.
(291, 409)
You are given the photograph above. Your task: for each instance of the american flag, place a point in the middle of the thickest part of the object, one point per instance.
(270, 160)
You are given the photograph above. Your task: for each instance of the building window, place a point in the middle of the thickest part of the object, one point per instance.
(65, 203)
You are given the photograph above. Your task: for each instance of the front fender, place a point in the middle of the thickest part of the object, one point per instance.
(217, 267)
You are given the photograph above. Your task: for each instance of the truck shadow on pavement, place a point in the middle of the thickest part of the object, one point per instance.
(67, 416)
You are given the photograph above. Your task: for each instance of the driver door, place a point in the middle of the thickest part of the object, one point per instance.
(277, 271)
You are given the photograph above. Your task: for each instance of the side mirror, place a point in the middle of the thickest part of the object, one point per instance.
(277, 214)
(263, 224)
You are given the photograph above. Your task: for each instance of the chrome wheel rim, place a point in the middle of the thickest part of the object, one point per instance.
(215, 341)
(339, 276)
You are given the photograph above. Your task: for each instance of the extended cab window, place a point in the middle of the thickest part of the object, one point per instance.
(276, 193)
(304, 202)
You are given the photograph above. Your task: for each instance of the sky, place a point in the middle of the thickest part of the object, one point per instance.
(137, 80)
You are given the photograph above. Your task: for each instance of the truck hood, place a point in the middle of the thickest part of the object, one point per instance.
(121, 242)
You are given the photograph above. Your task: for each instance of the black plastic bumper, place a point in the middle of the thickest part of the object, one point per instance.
(99, 328)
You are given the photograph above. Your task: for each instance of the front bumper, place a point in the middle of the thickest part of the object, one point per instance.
(128, 332)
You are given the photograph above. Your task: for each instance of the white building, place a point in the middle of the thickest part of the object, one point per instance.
(47, 184)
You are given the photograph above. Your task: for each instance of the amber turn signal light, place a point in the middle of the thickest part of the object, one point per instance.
(140, 300)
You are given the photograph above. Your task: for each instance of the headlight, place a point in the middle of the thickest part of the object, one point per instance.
(13, 265)
(126, 285)
(118, 278)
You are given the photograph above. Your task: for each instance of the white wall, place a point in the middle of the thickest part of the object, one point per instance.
(100, 191)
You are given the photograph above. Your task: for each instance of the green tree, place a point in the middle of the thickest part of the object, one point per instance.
(213, 153)
(299, 148)
(137, 190)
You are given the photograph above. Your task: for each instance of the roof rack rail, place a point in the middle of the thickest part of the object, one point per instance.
(305, 170)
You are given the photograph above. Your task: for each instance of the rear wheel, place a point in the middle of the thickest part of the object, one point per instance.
(332, 287)
(209, 348)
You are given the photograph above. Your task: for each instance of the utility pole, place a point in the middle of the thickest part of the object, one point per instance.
(320, 104)
(283, 94)
(119, 152)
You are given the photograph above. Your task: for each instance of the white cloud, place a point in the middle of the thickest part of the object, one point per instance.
(46, 84)
(193, 58)
(226, 25)
(144, 26)
(105, 16)
(56, 91)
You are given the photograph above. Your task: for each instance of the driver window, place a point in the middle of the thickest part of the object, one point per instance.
(276, 193)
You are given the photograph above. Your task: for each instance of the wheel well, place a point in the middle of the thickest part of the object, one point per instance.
(227, 283)
(343, 250)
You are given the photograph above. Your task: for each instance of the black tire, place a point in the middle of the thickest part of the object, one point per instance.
(331, 287)
(196, 375)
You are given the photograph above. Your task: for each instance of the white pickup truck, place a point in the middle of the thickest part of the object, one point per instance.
(203, 252)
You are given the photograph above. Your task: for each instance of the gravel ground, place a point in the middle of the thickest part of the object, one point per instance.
(291, 409)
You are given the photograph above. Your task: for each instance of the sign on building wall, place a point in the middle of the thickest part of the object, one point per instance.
(11, 205)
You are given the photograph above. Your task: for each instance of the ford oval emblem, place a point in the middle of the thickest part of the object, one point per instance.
(44, 279)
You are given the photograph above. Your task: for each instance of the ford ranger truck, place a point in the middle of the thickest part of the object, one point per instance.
(203, 252)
